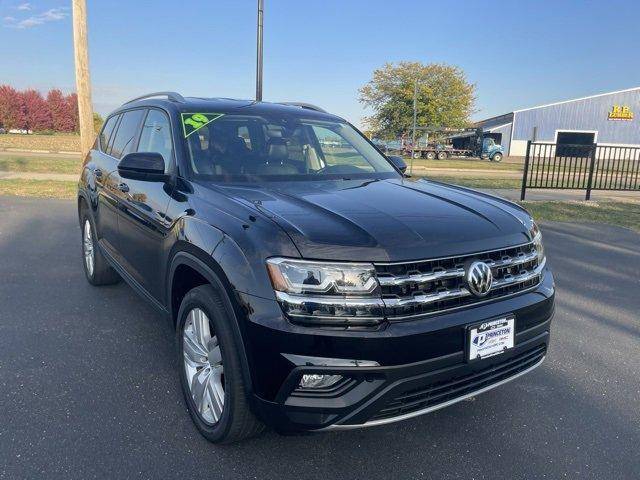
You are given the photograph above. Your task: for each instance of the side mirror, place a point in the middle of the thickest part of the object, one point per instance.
(398, 162)
(147, 166)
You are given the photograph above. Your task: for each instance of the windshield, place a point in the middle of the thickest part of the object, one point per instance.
(251, 148)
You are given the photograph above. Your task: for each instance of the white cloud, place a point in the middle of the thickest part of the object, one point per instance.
(51, 15)
(24, 7)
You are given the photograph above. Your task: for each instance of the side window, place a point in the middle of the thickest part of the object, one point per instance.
(337, 151)
(156, 135)
(125, 140)
(243, 132)
(107, 131)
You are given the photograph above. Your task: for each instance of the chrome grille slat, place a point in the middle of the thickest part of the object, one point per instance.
(462, 292)
(433, 286)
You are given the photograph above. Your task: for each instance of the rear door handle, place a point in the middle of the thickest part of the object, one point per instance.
(123, 187)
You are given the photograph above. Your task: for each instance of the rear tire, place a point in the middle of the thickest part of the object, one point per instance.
(442, 155)
(431, 155)
(211, 370)
(96, 268)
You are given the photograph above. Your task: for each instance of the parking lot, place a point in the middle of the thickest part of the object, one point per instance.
(88, 383)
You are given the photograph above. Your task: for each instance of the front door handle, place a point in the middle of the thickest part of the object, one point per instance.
(123, 187)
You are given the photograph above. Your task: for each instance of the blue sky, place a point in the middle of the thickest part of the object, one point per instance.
(518, 53)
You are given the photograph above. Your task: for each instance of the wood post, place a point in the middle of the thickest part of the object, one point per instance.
(83, 79)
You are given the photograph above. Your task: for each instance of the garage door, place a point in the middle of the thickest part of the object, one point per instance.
(569, 143)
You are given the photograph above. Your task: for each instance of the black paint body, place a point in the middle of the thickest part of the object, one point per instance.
(149, 230)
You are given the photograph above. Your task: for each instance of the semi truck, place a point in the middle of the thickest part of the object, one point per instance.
(467, 142)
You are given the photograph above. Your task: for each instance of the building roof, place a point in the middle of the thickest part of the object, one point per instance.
(560, 103)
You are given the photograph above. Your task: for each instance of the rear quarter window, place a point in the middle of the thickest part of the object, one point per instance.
(125, 139)
(107, 132)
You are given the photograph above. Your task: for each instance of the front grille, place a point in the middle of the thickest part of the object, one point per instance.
(433, 286)
(444, 391)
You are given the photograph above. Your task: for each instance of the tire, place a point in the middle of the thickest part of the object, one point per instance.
(497, 157)
(96, 268)
(442, 155)
(223, 416)
(417, 155)
(431, 155)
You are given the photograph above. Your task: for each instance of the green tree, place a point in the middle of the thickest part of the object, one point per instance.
(97, 122)
(445, 97)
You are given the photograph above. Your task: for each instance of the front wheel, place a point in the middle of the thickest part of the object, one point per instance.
(442, 155)
(211, 370)
(497, 157)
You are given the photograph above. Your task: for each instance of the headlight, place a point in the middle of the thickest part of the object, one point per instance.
(340, 294)
(537, 241)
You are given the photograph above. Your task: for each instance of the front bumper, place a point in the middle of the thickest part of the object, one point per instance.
(422, 365)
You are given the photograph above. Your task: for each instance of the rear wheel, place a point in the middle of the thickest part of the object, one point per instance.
(96, 268)
(442, 155)
(431, 155)
(416, 155)
(211, 370)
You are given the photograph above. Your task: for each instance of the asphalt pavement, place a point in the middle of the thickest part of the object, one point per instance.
(89, 389)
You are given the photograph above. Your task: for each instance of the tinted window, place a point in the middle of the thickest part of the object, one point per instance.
(247, 148)
(156, 135)
(107, 130)
(125, 136)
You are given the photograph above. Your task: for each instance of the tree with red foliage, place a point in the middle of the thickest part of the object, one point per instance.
(28, 110)
(36, 111)
(11, 113)
(72, 109)
(59, 109)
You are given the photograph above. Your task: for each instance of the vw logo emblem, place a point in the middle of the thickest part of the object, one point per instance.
(479, 278)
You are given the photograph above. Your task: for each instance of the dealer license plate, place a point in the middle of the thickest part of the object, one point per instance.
(491, 338)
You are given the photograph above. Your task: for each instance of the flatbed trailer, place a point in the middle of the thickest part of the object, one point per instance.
(472, 139)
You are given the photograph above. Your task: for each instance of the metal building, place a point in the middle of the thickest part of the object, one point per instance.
(606, 119)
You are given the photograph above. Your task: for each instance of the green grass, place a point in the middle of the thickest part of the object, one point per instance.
(468, 164)
(475, 182)
(623, 214)
(39, 164)
(39, 188)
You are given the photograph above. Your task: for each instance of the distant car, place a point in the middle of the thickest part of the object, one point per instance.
(309, 288)
(2, 130)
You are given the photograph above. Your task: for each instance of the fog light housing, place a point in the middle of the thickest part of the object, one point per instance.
(313, 380)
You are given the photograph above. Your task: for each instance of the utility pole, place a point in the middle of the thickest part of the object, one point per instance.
(259, 52)
(83, 79)
(415, 119)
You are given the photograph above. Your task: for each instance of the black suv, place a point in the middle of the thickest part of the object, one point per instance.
(311, 284)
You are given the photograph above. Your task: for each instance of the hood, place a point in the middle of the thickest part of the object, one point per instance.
(385, 220)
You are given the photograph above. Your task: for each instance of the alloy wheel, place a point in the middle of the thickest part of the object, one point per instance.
(87, 247)
(203, 366)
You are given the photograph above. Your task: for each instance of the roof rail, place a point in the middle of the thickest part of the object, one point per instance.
(173, 96)
(308, 106)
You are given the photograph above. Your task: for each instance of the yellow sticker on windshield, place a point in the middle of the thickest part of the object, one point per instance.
(192, 122)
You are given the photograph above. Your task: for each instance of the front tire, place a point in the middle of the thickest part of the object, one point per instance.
(96, 268)
(210, 369)
(442, 155)
(496, 157)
